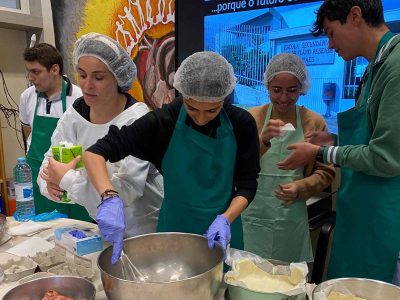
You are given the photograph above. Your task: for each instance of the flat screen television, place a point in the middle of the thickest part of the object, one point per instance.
(249, 33)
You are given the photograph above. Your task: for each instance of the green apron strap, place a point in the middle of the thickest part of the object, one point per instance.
(64, 96)
(382, 42)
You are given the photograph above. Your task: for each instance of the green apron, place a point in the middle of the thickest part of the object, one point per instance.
(366, 242)
(271, 230)
(42, 131)
(198, 179)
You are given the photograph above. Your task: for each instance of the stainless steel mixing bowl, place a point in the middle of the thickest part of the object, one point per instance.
(366, 288)
(180, 265)
(69, 286)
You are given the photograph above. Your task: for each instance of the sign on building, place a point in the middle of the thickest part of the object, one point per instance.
(312, 52)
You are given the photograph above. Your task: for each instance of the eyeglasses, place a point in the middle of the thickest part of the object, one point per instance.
(292, 93)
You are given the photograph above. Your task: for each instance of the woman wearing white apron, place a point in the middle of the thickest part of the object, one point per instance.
(105, 74)
(276, 223)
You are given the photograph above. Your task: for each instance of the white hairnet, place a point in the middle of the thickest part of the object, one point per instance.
(205, 77)
(109, 52)
(288, 63)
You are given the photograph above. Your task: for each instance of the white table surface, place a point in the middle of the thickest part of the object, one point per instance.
(5, 286)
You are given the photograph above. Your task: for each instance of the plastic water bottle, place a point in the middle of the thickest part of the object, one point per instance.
(24, 190)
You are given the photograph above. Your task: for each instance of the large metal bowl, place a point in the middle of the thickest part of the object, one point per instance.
(180, 265)
(69, 286)
(365, 288)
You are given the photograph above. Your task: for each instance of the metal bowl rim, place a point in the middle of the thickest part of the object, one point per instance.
(163, 282)
(63, 276)
(356, 279)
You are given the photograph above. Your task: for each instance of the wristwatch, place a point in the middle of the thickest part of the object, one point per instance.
(320, 154)
(108, 194)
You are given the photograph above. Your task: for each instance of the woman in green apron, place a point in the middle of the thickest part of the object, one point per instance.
(366, 242)
(206, 148)
(275, 226)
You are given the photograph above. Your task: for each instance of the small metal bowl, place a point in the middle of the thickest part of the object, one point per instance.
(365, 288)
(69, 286)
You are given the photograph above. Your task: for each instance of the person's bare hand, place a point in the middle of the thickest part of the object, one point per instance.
(53, 189)
(271, 130)
(303, 153)
(320, 138)
(288, 193)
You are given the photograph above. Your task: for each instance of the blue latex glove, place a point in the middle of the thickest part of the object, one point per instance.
(77, 234)
(111, 221)
(220, 231)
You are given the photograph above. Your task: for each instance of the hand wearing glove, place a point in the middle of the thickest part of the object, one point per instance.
(111, 221)
(220, 231)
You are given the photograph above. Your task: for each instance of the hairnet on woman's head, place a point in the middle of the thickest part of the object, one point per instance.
(205, 77)
(111, 54)
(288, 63)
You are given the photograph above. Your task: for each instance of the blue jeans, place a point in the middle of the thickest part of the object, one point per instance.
(396, 278)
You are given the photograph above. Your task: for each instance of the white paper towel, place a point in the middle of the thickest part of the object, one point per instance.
(27, 228)
(284, 130)
(331, 286)
(31, 247)
(265, 265)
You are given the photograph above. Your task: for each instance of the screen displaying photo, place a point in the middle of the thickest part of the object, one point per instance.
(249, 33)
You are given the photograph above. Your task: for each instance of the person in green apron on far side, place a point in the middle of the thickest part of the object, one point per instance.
(366, 241)
(206, 148)
(275, 225)
(40, 107)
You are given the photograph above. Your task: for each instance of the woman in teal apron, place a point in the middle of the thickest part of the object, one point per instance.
(275, 225)
(206, 148)
(43, 128)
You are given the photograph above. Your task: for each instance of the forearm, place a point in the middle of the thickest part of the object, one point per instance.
(264, 147)
(238, 205)
(26, 131)
(96, 169)
(363, 158)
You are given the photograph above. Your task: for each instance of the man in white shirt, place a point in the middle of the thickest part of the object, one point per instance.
(44, 65)
(40, 108)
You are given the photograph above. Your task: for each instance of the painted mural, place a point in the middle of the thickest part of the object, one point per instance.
(145, 28)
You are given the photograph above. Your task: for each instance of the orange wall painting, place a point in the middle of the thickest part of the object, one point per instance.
(145, 28)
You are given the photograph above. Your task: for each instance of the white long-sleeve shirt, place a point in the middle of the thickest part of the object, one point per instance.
(138, 182)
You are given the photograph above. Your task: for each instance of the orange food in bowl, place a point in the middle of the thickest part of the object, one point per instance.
(53, 295)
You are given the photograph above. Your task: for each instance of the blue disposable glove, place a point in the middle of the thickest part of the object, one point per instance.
(77, 234)
(220, 231)
(111, 221)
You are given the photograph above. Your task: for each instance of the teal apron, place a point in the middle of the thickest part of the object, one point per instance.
(366, 242)
(271, 230)
(42, 130)
(198, 179)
